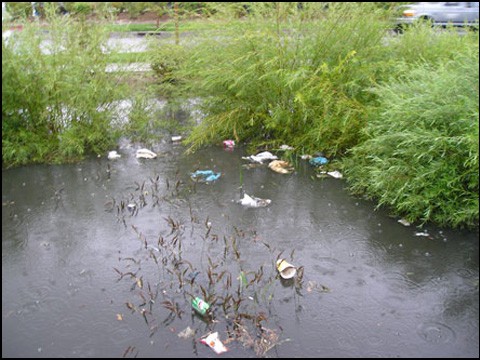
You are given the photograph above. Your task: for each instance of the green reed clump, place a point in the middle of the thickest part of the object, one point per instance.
(332, 79)
(56, 95)
(422, 43)
(421, 155)
(289, 74)
(166, 62)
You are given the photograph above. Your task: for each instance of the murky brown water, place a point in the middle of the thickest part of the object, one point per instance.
(371, 287)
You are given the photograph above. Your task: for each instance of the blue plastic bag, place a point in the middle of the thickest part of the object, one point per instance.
(212, 177)
(318, 161)
(206, 175)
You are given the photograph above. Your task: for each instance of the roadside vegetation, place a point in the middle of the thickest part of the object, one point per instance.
(420, 150)
(290, 77)
(398, 114)
(58, 102)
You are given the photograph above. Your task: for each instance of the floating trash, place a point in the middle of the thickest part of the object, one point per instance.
(214, 342)
(312, 285)
(146, 154)
(306, 157)
(281, 166)
(176, 138)
(286, 270)
(252, 201)
(336, 174)
(285, 147)
(186, 333)
(228, 144)
(422, 234)
(251, 165)
(404, 222)
(318, 161)
(112, 155)
(200, 306)
(261, 157)
(205, 175)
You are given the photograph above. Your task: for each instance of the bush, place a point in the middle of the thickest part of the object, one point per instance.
(105, 10)
(421, 156)
(404, 108)
(166, 62)
(285, 79)
(19, 10)
(82, 8)
(134, 9)
(421, 43)
(56, 97)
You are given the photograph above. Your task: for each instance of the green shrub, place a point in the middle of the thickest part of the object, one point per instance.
(421, 43)
(284, 78)
(166, 62)
(105, 10)
(134, 9)
(56, 95)
(82, 8)
(421, 156)
(141, 124)
(19, 10)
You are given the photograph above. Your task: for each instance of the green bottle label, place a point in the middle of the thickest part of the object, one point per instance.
(200, 306)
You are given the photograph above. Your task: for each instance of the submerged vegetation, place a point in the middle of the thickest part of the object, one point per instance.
(398, 112)
(168, 272)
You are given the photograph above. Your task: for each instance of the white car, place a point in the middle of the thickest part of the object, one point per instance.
(440, 13)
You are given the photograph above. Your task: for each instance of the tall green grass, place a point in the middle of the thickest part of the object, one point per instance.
(56, 95)
(402, 111)
(421, 156)
(421, 43)
(289, 76)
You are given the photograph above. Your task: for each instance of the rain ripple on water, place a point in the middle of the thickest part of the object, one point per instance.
(436, 333)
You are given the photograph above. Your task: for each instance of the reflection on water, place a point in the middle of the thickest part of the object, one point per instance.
(370, 286)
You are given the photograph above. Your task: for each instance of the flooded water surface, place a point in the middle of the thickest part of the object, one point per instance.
(103, 258)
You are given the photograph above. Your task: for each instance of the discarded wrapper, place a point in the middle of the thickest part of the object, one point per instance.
(146, 154)
(229, 144)
(254, 202)
(286, 270)
(281, 166)
(285, 147)
(260, 157)
(205, 175)
(422, 234)
(214, 342)
(113, 155)
(336, 174)
(186, 333)
(176, 138)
